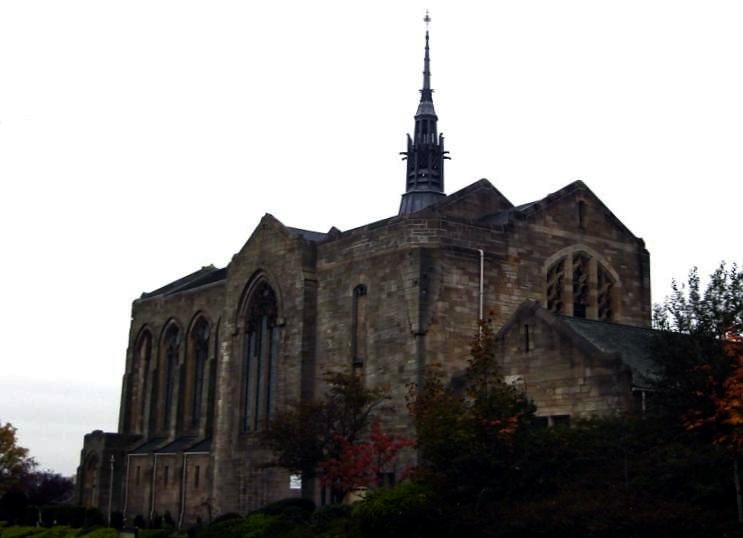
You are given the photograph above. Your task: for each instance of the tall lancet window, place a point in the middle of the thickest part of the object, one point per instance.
(260, 356)
(172, 344)
(140, 380)
(199, 353)
(358, 329)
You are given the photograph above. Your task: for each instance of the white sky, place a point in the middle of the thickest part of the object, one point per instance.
(141, 140)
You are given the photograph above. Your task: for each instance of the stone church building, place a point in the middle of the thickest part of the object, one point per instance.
(213, 355)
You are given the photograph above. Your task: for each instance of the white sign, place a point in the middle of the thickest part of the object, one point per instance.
(295, 481)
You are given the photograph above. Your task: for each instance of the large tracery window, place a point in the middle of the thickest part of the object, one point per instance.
(579, 285)
(260, 354)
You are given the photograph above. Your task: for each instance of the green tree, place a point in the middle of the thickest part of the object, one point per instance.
(15, 462)
(699, 360)
(470, 437)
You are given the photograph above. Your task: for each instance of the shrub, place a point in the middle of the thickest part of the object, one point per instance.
(59, 531)
(156, 521)
(139, 521)
(155, 533)
(117, 520)
(226, 517)
(103, 532)
(406, 510)
(256, 525)
(93, 518)
(280, 506)
(21, 532)
(332, 521)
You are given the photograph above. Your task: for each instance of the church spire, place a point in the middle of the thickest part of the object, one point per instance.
(424, 183)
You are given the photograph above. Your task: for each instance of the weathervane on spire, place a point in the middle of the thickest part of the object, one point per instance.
(427, 20)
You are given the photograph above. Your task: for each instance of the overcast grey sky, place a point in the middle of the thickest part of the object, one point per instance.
(141, 140)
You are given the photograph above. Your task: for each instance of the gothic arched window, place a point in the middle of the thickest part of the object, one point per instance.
(581, 283)
(198, 355)
(260, 354)
(139, 380)
(358, 329)
(171, 349)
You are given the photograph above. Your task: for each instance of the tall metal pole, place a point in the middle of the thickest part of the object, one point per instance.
(111, 490)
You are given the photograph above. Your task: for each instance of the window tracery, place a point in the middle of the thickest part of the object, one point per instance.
(555, 276)
(579, 284)
(605, 287)
(260, 356)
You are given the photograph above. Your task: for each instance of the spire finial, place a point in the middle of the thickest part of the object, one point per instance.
(426, 91)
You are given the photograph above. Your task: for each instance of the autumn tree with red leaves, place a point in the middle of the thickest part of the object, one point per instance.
(700, 360)
(328, 435)
(363, 464)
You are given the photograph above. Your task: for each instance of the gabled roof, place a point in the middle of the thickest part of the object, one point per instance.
(632, 345)
(206, 275)
(538, 206)
(309, 235)
(470, 203)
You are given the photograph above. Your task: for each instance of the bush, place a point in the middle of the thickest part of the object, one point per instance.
(103, 532)
(155, 533)
(226, 517)
(406, 510)
(21, 532)
(63, 514)
(56, 532)
(256, 525)
(93, 518)
(117, 520)
(139, 521)
(279, 507)
(333, 520)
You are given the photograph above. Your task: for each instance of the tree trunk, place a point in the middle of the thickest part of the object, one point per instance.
(738, 496)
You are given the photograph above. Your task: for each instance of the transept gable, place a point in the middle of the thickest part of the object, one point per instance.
(575, 208)
(470, 204)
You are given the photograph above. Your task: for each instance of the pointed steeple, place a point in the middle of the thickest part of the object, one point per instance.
(425, 156)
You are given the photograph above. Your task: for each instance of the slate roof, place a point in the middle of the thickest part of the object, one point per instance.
(308, 234)
(202, 277)
(178, 445)
(634, 345)
(150, 446)
(202, 446)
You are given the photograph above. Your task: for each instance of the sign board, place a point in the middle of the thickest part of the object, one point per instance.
(295, 481)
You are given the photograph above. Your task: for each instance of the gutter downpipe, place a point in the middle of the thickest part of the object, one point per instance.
(154, 483)
(126, 485)
(183, 490)
(482, 281)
